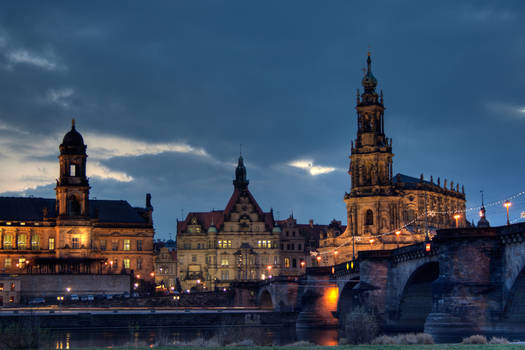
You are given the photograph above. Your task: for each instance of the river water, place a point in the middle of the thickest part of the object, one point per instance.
(153, 337)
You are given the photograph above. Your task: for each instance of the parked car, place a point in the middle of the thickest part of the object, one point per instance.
(84, 298)
(74, 297)
(36, 301)
(100, 297)
(109, 296)
(90, 298)
(135, 295)
(125, 295)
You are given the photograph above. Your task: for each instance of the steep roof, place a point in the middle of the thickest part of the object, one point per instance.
(219, 216)
(32, 209)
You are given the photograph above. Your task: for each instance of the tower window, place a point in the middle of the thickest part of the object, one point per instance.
(75, 242)
(73, 170)
(73, 206)
(369, 217)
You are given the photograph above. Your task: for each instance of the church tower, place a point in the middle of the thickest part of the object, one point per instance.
(240, 182)
(72, 190)
(371, 157)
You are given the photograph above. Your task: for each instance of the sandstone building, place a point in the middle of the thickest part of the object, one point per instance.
(239, 243)
(379, 203)
(72, 233)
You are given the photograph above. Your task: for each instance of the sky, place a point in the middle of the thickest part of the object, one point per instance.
(165, 93)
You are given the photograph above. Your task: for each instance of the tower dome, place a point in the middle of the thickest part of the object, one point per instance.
(73, 142)
(369, 82)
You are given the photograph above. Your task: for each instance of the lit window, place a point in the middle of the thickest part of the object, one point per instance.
(1, 287)
(35, 242)
(224, 261)
(51, 244)
(287, 262)
(259, 244)
(12, 286)
(21, 262)
(7, 263)
(127, 244)
(75, 242)
(11, 299)
(8, 241)
(126, 263)
(22, 238)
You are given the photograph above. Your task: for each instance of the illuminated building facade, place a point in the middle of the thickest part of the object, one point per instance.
(72, 233)
(379, 203)
(239, 243)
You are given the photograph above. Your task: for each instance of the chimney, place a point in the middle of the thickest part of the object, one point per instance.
(311, 223)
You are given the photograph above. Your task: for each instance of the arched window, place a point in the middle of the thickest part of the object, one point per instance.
(73, 207)
(35, 242)
(369, 217)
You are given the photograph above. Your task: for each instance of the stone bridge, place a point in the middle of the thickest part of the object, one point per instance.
(465, 281)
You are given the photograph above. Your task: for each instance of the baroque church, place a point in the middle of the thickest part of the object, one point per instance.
(385, 211)
(73, 233)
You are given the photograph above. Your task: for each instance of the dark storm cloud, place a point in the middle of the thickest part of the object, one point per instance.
(278, 77)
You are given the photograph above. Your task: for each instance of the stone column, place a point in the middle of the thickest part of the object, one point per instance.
(467, 293)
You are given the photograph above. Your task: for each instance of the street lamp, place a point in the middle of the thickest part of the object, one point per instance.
(269, 268)
(456, 217)
(302, 263)
(318, 260)
(371, 241)
(507, 205)
(397, 237)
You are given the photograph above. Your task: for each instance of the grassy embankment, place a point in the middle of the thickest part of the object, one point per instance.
(344, 347)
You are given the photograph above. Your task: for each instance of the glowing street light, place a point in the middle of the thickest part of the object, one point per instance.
(68, 289)
(456, 217)
(507, 205)
(371, 241)
(397, 237)
(302, 263)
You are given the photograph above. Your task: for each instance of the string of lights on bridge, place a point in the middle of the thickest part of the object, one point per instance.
(506, 202)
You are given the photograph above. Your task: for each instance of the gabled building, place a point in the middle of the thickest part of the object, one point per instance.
(239, 243)
(73, 233)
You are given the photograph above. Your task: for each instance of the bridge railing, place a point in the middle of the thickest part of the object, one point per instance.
(345, 268)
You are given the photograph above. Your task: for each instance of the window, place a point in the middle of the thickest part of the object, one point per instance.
(102, 244)
(194, 258)
(294, 263)
(22, 238)
(299, 246)
(126, 263)
(287, 262)
(114, 245)
(8, 241)
(115, 263)
(293, 233)
(264, 260)
(293, 246)
(264, 244)
(139, 245)
(73, 170)
(369, 217)
(275, 260)
(224, 261)
(198, 246)
(225, 275)
(75, 242)
(21, 262)
(127, 244)
(224, 244)
(1, 287)
(139, 264)
(187, 245)
(7, 263)
(35, 242)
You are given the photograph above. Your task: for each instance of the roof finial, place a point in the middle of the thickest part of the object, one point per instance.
(369, 61)
(240, 149)
(482, 204)
(73, 123)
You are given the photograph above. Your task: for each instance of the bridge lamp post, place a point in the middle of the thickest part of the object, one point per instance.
(456, 217)
(507, 205)
(397, 237)
(269, 268)
(318, 260)
(335, 257)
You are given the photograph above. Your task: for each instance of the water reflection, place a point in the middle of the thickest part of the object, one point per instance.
(162, 336)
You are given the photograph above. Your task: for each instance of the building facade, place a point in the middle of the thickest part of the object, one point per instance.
(385, 210)
(239, 243)
(72, 233)
(166, 269)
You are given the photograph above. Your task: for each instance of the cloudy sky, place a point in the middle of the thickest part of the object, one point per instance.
(164, 93)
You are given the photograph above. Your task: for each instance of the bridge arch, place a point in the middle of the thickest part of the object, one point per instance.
(415, 301)
(265, 299)
(514, 310)
(346, 301)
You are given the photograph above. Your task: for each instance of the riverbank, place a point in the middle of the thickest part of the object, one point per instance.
(343, 347)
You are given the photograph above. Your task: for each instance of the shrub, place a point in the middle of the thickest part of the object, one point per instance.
(475, 339)
(22, 334)
(361, 327)
(245, 342)
(302, 343)
(384, 340)
(199, 343)
(404, 339)
(498, 340)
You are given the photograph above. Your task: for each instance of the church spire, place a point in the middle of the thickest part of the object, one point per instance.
(483, 222)
(240, 182)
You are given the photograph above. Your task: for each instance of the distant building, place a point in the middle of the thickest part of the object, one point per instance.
(166, 269)
(72, 233)
(239, 243)
(9, 290)
(380, 203)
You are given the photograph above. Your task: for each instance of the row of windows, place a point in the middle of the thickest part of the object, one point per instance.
(266, 244)
(291, 246)
(224, 260)
(126, 263)
(21, 242)
(126, 245)
(223, 244)
(11, 287)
